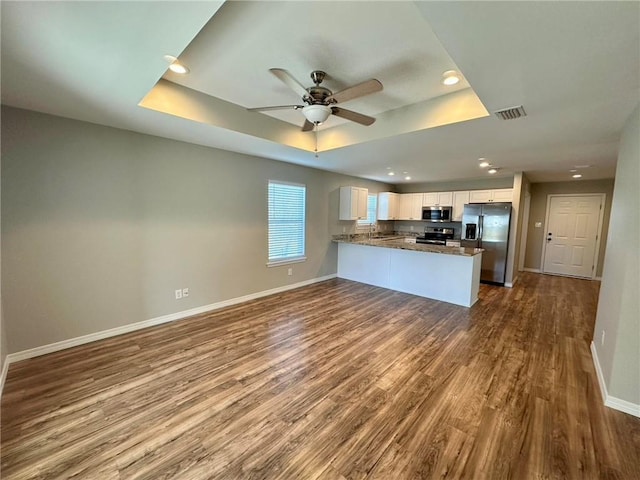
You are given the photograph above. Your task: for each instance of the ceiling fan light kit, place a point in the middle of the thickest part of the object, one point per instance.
(316, 114)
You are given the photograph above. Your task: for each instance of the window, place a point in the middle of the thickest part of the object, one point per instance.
(372, 204)
(286, 222)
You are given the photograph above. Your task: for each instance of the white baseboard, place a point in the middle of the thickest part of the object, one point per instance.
(92, 337)
(3, 375)
(532, 270)
(609, 401)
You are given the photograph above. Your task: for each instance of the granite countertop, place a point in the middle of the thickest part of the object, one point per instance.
(395, 241)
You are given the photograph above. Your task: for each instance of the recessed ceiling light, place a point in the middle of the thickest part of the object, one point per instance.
(582, 166)
(450, 77)
(388, 168)
(492, 171)
(573, 170)
(577, 175)
(407, 177)
(391, 174)
(175, 66)
(178, 68)
(484, 164)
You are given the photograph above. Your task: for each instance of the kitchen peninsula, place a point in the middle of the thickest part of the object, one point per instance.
(449, 274)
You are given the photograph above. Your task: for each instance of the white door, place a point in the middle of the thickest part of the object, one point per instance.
(573, 228)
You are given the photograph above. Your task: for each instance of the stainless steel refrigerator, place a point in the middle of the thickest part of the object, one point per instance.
(486, 226)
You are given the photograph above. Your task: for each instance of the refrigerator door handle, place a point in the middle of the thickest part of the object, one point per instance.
(480, 227)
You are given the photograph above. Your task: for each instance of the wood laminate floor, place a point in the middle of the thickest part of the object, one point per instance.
(337, 380)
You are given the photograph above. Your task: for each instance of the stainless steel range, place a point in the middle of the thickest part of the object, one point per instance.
(436, 235)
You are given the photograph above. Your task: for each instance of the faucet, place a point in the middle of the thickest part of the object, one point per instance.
(372, 230)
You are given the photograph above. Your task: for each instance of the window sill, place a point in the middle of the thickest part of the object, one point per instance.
(277, 263)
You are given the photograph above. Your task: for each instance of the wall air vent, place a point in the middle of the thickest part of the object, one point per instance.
(511, 113)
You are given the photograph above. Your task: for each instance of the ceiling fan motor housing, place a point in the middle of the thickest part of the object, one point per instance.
(318, 94)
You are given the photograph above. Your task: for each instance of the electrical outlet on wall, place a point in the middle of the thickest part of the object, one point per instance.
(290, 271)
(185, 292)
(178, 294)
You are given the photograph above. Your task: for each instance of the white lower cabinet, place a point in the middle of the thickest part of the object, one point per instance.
(400, 270)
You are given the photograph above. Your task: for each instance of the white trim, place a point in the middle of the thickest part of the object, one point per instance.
(92, 337)
(609, 401)
(3, 376)
(284, 182)
(277, 263)
(532, 270)
(596, 363)
(596, 253)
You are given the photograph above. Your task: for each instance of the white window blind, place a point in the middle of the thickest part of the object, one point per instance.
(286, 222)
(372, 205)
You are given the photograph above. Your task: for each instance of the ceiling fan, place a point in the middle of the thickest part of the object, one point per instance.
(320, 102)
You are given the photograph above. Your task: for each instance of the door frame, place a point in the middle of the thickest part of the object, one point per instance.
(596, 254)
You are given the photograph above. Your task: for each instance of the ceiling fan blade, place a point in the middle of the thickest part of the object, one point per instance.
(353, 116)
(307, 126)
(278, 107)
(286, 78)
(359, 90)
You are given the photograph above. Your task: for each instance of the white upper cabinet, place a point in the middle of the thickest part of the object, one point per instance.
(480, 196)
(388, 206)
(436, 199)
(460, 199)
(353, 203)
(411, 206)
(487, 196)
(503, 195)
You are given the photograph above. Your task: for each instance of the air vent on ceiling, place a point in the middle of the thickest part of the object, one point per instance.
(511, 113)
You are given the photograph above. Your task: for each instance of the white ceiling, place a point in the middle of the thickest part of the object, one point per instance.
(574, 66)
(405, 54)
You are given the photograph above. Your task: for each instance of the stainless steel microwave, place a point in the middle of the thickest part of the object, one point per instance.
(437, 214)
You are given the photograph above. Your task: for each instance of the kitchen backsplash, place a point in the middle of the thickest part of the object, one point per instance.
(405, 227)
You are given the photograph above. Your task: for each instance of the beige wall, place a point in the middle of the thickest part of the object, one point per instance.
(484, 183)
(100, 226)
(538, 211)
(3, 336)
(619, 304)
